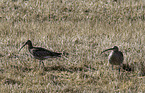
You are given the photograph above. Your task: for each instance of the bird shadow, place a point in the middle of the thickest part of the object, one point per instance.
(1, 55)
(70, 69)
(128, 67)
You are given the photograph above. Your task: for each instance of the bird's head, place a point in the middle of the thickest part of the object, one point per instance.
(29, 43)
(115, 48)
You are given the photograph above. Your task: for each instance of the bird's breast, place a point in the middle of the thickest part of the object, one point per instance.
(115, 58)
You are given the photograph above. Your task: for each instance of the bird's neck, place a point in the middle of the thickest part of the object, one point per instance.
(116, 50)
(30, 46)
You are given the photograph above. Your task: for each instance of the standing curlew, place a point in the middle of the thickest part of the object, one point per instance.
(40, 53)
(115, 57)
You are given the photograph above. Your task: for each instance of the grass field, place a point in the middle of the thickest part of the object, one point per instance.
(83, 28)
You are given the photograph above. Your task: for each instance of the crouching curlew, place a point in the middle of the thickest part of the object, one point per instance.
(115, 57)
(40, 53)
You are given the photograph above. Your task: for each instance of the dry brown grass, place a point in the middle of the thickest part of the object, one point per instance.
(83, 28)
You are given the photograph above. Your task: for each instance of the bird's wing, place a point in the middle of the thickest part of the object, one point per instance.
(121, 58)
(41, 52)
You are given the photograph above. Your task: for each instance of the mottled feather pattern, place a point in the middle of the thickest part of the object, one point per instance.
(41, 53)
(116, 58)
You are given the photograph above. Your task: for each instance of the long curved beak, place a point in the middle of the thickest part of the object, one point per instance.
(107, 50)
(22, 46)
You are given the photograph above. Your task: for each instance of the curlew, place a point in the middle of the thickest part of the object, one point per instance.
(115, 57)
(40, 53)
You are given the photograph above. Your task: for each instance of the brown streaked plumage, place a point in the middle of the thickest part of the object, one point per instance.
(40, 53)
(115, 57)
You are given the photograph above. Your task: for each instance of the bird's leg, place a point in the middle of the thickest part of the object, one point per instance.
(39, 63)
(43, 63)
(119, 68)
(112, 67)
